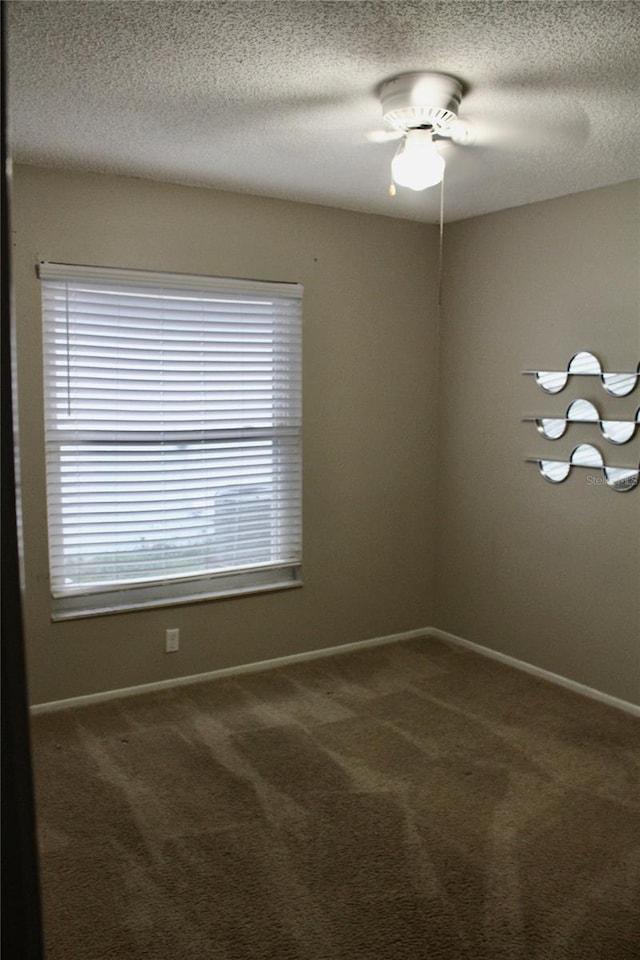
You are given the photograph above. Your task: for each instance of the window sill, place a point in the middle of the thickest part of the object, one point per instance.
(128, 605)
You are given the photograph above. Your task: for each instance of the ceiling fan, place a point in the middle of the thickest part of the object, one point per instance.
(420, 109)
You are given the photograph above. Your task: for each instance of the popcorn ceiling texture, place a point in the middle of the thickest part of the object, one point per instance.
(275, 98)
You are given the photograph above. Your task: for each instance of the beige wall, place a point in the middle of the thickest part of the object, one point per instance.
(369, 419)
(548, 574)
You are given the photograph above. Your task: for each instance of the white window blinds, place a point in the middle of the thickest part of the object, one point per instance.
(173, 447)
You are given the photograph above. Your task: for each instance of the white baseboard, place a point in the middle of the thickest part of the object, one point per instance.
(272, 664)
(438, 634)
(225, 672)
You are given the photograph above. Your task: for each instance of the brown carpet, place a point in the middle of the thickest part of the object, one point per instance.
(408, 802)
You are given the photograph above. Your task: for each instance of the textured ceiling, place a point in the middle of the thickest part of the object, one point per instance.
(275, 98)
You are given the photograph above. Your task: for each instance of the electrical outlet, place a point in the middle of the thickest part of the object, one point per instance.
(172, 641)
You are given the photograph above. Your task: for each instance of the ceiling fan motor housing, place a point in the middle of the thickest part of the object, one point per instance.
(420, 100)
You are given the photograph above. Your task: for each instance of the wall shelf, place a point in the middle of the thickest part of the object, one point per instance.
(583, 411)
(620, 479)
(585, 364)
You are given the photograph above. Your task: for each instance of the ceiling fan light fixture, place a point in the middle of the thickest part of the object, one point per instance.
(417, 163)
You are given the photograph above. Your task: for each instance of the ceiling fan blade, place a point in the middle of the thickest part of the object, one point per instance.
(461, 132)
(553, 122)
(383, 136)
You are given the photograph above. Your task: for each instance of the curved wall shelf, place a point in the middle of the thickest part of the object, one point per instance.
(585, 364)
(583, 411)
(620, 479)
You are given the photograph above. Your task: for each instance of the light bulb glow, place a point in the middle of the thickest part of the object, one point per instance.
(417, 163)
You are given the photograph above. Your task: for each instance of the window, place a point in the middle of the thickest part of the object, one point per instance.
(173, 436)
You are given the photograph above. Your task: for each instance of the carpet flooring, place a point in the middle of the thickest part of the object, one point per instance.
(414, 801)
